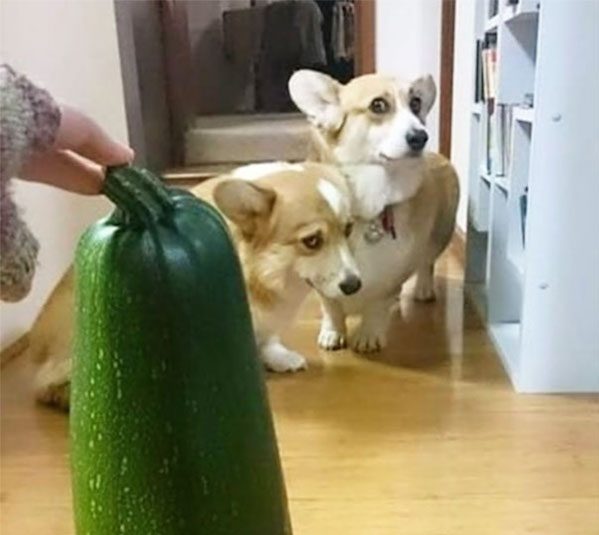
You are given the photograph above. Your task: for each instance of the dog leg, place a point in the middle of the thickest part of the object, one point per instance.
(425, 284)
(371, 335)
(333, 333)
(277, 358)
(397, 299)
(53, 383)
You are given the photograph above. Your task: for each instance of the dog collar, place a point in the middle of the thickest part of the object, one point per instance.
(388, 221)
(381, 225)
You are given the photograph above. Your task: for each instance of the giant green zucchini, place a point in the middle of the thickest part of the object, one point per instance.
(170, 426)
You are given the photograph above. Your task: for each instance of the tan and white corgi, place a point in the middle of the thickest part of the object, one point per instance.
(290, 223)
(405, 200)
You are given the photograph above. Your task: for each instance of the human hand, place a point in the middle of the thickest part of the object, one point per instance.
(78, 158)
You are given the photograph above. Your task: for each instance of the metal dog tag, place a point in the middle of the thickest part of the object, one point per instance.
(374, 232)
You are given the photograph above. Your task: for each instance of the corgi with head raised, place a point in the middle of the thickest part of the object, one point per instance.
(404, 199)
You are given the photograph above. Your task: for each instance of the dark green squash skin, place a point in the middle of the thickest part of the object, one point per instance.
(170, 426)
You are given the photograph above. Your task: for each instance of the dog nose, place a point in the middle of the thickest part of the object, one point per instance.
(417, 139)
(350, 285)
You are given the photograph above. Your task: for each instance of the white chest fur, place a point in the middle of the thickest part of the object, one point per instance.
(374, 186)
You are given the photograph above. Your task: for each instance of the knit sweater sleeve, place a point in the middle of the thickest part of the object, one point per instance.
(29, 121)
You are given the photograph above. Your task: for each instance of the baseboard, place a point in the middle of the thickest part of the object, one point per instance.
(14, 349)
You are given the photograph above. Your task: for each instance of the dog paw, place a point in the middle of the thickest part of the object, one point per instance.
(282, 360)
(331, 340)
(55, 395)
(52, 385)
(365, 341)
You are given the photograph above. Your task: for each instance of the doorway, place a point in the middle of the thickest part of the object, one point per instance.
(225, 66)
(243, 53)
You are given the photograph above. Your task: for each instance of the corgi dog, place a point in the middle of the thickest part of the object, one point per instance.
(404, 199)
(290, 224)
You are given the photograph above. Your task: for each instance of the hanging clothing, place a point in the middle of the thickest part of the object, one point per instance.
(294, 29)
(242, 35)
(308, 22)
(292, 39)
(343, 33)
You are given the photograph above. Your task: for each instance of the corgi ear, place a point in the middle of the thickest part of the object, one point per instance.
(424, 88)
(247, 205)
(317, 95)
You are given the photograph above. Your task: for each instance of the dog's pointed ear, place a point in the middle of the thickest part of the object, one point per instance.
(426, 89)
(317, 95)
(245, 203)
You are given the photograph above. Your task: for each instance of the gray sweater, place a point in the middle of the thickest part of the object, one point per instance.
(29, 120)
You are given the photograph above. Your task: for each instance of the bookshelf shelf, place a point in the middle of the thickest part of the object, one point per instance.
(522, 114)
(492, 24)
(531, 263)
(503, 182)
(524, 11)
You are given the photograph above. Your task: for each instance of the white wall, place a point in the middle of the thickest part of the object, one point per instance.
(463, 97)
(71, 49)
(408, 45)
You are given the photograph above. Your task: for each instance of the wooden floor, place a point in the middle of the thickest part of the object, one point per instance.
(425, 439)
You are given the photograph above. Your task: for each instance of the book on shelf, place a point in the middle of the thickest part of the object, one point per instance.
(523, 213)
(503, 117)
(488, 62)
(478, 73)
(509, 149)
(493, 8)
(482, 147)
(490, 144)
(498, 147)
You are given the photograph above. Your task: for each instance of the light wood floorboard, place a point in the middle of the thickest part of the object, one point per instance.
(427, 438)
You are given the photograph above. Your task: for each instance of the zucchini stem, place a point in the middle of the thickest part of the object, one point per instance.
(138, 193)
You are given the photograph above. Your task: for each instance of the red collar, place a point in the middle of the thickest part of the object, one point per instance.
(387, 221)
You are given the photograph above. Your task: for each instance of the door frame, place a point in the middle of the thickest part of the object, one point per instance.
(446, 82)
(177, 63)
(365, 62)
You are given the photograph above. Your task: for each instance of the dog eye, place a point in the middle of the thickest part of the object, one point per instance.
(415, 105)
(313, 242)
(379, 106)
(347, 230)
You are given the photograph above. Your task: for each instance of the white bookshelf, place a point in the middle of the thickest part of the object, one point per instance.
(535, 280)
